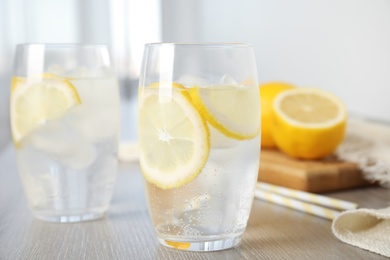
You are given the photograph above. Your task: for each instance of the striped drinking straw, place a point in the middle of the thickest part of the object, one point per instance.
(308, 197)
(296, 204)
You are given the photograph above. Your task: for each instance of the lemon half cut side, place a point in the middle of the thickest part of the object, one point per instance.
(37, 100)
(308, 123)
(173, 137)
(234, 110)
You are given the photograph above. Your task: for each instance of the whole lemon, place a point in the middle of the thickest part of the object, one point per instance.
(268, 92)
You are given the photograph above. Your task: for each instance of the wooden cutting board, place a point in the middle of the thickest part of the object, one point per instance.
(316, 176)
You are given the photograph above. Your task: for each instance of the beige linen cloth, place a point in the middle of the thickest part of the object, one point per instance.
(367, 144)
(366, 228)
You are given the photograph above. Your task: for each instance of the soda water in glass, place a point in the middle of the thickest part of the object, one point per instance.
(198, 132)
(65, 127)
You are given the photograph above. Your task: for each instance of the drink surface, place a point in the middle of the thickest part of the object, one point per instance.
(216, 203)
(68, 164)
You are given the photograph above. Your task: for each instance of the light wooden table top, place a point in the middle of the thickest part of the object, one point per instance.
(273, 232)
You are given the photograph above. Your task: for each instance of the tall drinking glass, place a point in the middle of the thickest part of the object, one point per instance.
(65, 123)
(198, 131)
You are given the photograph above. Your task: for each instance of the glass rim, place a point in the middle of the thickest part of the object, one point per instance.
(68, 45)
(200, 44)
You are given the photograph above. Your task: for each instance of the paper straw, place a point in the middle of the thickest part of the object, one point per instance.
(296, 204)
(308, 197)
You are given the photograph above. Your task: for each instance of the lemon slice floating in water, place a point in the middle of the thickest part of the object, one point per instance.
(173, 137)
(233, 110)
(37, 100)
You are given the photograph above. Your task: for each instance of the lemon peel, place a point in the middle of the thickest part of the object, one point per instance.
(268, 92)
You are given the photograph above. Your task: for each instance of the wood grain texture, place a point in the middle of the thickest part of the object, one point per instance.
(273, 232)
(309, 175)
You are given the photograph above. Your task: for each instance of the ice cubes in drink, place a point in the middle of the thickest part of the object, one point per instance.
(62, 143)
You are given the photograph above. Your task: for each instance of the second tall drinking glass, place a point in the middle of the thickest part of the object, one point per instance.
(199, 126)
(65, 126)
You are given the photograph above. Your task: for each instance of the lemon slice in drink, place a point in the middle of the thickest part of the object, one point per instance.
(37, 100)
(232, 109)
(173, 137)
(308, 123)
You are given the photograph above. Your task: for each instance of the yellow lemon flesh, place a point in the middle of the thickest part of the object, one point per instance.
(308, 123)
(37, 100)
(172, 135)
(268, 92)
(231, 109)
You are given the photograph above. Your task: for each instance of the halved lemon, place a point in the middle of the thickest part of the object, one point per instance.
(173, 137)
(268, 92)
(234, 110)
(308, 123)
(36, 100)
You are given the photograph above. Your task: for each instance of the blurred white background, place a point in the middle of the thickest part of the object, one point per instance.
(339, 45)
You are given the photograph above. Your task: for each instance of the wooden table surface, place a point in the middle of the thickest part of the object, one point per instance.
(126, 232)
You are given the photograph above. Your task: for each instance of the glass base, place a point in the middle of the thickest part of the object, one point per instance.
(202, 246)
(68, 218)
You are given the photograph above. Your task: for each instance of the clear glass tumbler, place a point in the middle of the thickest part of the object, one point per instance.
(65, 127)
(198, 132)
